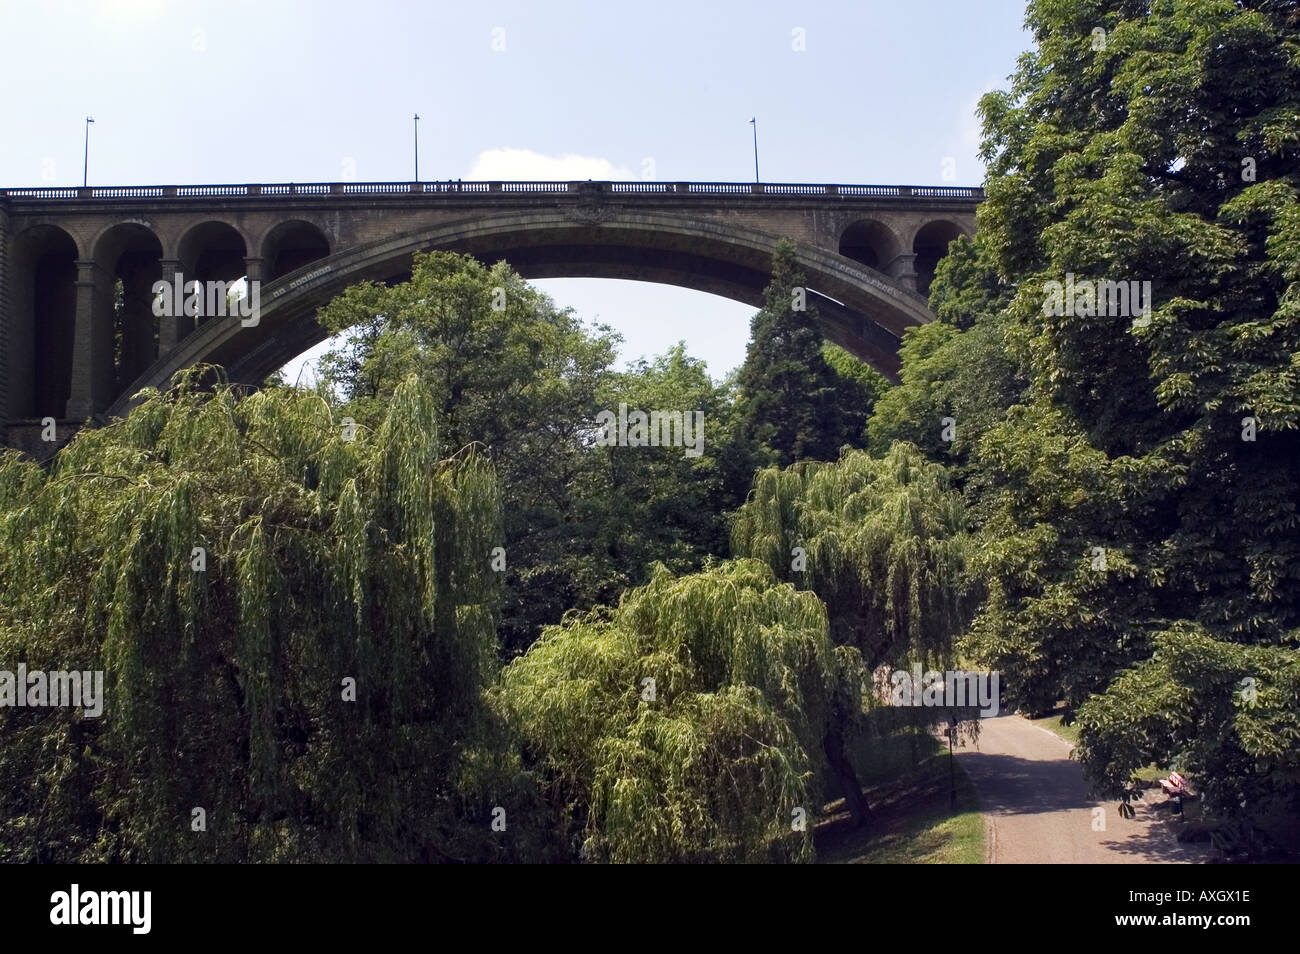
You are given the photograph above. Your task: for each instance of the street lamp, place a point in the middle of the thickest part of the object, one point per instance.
(85, 170)
(952, 772)
(754, 122)
(417, 147)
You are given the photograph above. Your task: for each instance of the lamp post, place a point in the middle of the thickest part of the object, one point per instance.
(417, 147)
(85, 169)
(754, 122)
(952, 777)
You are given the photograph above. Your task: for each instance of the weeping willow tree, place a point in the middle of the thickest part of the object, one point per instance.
(882, 541)
(686, 723)
(295, 622)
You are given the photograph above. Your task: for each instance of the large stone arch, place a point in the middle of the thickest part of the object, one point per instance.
(863, 310)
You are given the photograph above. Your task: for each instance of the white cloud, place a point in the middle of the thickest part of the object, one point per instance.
(499, 164)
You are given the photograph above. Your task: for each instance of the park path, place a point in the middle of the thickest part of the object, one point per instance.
(1037, 810)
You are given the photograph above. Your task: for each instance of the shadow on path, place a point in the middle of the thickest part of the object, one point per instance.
(1037, 809)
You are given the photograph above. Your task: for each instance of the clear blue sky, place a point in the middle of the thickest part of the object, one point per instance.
(288, 90)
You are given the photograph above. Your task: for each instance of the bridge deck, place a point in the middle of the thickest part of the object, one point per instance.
(449, 187)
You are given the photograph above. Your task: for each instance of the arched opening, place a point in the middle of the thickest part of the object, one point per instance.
(212, 252)
(930, 245)
(871, 243)
(44, 304)
(132, 256)
(291, 245)
(651, 317)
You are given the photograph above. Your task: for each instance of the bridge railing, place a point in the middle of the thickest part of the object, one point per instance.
(448, 187)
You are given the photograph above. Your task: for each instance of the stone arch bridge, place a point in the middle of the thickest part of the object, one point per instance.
(73, 349)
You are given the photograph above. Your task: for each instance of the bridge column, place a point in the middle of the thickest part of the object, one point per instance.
(92, 347)
(903, 270)
(170, 329)
(253, 268)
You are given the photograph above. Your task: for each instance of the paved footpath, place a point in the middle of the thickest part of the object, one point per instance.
(1037, 810)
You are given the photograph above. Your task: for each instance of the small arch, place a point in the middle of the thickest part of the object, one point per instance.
(291, 245)
(44, 315)
(212, 251)
(131, 255)
(930, 245)
(870, 242)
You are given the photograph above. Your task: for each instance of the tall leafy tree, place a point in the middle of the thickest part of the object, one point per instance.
(960, 373)
(1134, 483)
(882, 542)
(793, 403)
(526, 381)
(510, 372)
(295, 623)
(872, 385)
(1224, 711)
(666, 503)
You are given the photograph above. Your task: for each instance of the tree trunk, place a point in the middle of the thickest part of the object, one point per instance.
(833, 745)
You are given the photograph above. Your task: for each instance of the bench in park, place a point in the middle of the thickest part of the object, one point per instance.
(1173, 785)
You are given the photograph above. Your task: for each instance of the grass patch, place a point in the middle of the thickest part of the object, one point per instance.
(912, 821)
(1054, 723)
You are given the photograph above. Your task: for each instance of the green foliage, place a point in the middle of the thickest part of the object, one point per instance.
(659, 504)
(1221, 713)
(969, 376)
(1072, 579)
(525, 381)
(967, 285)
(507, 371)
(793, 403)
(711, 764)
(1129, 533)
(884, 543)
(849, 367)
(324, 560)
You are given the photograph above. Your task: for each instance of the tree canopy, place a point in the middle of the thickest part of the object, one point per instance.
(685, 724)
(294, 621)
(793, 403)
(1130, 471)
(880, 540)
